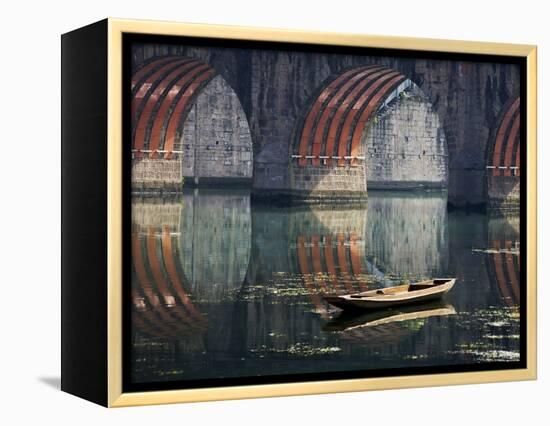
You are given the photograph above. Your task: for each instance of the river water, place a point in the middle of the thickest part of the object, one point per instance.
(223, 287)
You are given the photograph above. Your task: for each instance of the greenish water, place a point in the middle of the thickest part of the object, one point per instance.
(222, 287)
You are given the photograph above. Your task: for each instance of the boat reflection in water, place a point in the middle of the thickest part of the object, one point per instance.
(222, 287)
(387, 324)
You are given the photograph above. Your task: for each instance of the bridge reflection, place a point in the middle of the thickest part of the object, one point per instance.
(210, 247)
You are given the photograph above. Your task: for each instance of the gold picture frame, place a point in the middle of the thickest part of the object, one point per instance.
(116, 28)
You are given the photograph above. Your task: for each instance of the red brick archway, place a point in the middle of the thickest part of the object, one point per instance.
(503, 158)
(187, 124)
(162, 92)
(331, 132)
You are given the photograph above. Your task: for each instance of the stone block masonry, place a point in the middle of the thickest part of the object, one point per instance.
(215, 139)
(156, 175)
(503, 193)
(329, 182)
(405, 144)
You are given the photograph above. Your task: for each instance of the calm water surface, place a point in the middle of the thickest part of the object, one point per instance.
(222, 287)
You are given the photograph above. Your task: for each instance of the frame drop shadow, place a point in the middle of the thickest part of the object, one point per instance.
(53, 382)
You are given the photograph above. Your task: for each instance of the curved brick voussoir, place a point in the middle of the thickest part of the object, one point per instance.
(505, 145)
(161, 91)
(342, 109)
(311, 138)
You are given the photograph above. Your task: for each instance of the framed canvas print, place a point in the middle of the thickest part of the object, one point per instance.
(253, 212)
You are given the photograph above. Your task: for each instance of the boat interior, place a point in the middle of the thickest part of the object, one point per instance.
(407, 288)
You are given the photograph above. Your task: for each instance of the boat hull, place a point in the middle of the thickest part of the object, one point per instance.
(373, 300)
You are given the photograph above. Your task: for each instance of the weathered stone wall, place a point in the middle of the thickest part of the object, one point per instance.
(406, 145)
(503, 194)
(156, 174)
(271, 167)
(310, 181)
(215, 139)
(276, 88)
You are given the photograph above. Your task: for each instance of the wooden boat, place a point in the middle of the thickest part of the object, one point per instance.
(422, 291)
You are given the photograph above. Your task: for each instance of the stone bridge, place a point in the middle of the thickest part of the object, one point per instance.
(306, 123)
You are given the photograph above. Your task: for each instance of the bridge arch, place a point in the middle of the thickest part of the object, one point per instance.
(187, 122)
(503, 159)
(330, 153)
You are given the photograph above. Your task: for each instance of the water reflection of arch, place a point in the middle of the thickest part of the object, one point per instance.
(216, 242)
(407, 233)
(327, 249)
(162, 306)
(503, 260)
(318, 248)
